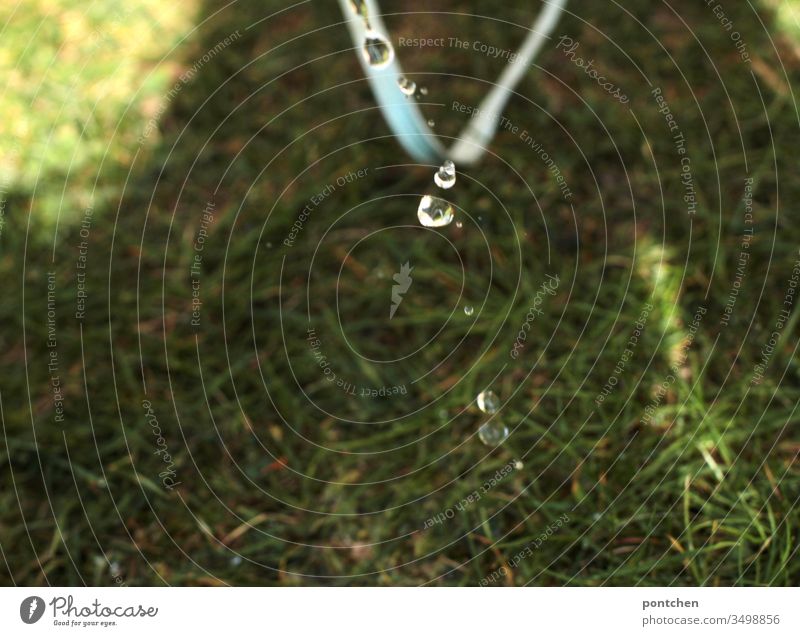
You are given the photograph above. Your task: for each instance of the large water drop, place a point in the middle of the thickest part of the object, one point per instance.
(488, 402)
(445, 177)
(434, 212)
(493, 433)
(377, 49)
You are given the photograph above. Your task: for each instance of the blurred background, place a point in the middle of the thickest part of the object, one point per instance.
(202, 214)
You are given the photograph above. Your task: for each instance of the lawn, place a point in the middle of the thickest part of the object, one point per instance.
(202, 217)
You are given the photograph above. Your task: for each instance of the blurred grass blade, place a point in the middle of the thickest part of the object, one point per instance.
(479, 132)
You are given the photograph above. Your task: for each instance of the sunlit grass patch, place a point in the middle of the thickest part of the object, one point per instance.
(80, 80)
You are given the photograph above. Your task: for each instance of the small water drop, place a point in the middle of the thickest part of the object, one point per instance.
(445, 177)
(468, 309)
(423, 90)
(359, 7)
(434, 212)
(493, 433)
(488, 402)
(407, 86)
(236, 560)
(518, 465)
(431, 123)
(377, 50)
(459, 224)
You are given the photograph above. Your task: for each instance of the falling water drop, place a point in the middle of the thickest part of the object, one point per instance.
(423, 90)
(445, 177)
(431, 123)
(518, 465)
(407, 86)
(468, 310)
(488, 402)
(459, 224)
(493, 433)
(434, 212)
(377, 50)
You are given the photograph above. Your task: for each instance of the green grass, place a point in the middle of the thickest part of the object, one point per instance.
(287, 479)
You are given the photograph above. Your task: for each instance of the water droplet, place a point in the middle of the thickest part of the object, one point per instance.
(431, 123)
(407, 86)
(443, 415)
(359, 7)
(468, 309)
(459, 224)
(377, 50)
(445, 177)
(518, 465)
(423, 90)
(488, 402)
(236, 560)
(434, 212)
(493, 433)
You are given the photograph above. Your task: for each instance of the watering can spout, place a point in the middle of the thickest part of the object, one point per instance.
(404, 116)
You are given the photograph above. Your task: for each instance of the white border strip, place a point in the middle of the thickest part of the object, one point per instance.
(405, 611)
